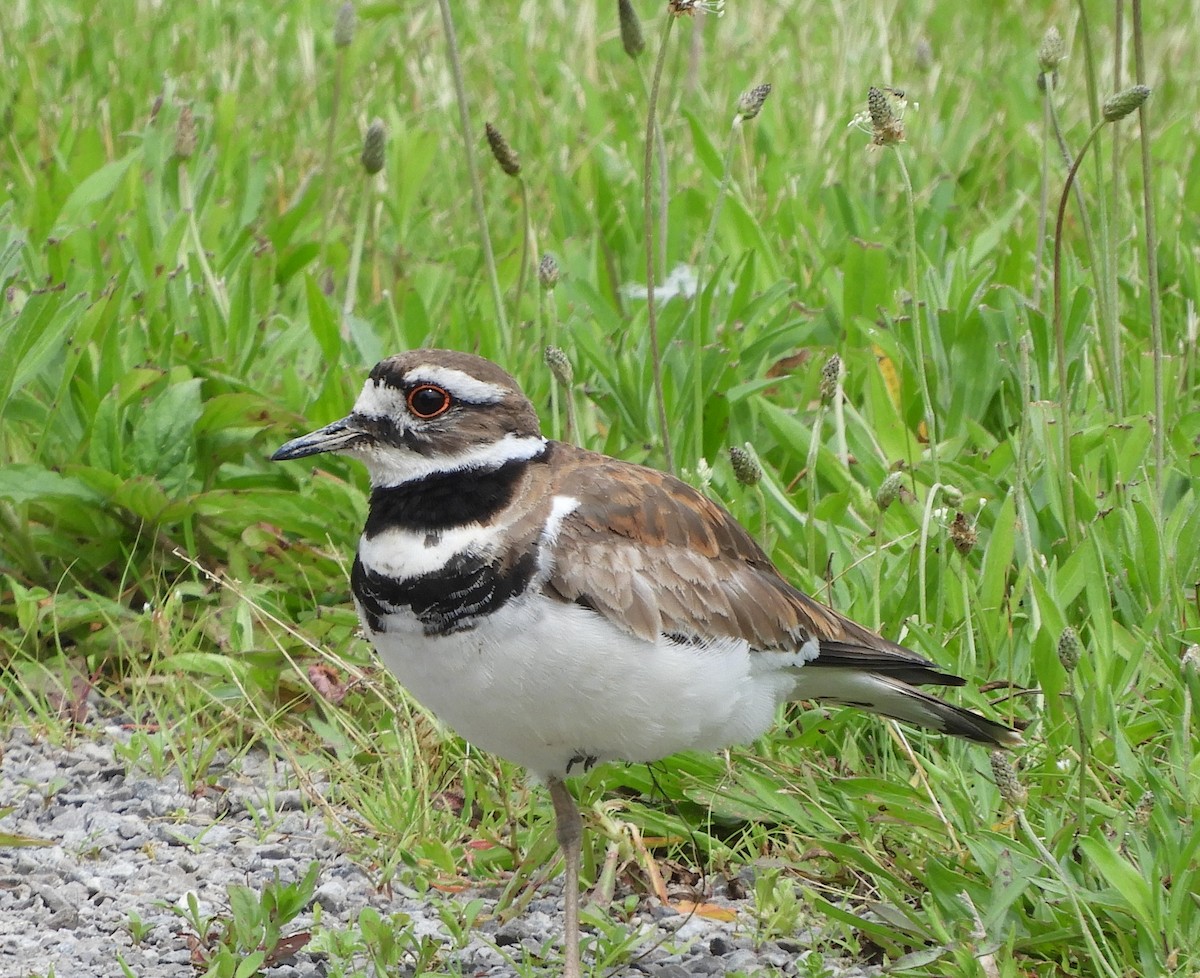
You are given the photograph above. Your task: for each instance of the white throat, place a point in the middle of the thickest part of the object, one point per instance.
(389, 465)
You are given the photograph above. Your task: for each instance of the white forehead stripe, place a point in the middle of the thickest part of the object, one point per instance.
(457, 383)
(380, 401)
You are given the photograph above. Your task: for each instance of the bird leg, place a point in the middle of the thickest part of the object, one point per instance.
(568, 827)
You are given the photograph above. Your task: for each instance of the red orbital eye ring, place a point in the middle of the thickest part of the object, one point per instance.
(428, 401)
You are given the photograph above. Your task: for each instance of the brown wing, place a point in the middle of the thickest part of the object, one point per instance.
(657, 557)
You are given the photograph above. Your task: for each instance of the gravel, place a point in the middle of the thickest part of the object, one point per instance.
(125, 849)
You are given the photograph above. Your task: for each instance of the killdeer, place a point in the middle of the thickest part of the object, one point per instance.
(562, 608)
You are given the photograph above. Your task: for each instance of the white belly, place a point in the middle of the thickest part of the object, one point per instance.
(555, 687)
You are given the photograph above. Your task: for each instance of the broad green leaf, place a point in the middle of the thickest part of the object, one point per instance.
(163, 442)
(96, 187)
(250, 964)
(33, 342)
(702, 141)
(23, 483)
(997, 559)
(322, 320)
(1125, 878)
(868, 272)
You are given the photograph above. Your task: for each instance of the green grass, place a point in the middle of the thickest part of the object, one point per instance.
(168, 320)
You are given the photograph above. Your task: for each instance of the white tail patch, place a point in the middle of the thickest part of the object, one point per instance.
(889, 697)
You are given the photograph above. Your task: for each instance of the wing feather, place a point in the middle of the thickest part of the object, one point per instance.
(656, 557)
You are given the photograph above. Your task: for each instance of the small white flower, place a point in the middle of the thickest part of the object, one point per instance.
(701, 477)
(688, 8)
(680, 281)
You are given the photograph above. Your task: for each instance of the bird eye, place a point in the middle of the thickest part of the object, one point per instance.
(428, 401)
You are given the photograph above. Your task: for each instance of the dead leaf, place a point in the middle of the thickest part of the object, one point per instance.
(327, 682)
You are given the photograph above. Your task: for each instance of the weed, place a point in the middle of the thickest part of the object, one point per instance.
(138, 929)
(252, 935)
(384, 945)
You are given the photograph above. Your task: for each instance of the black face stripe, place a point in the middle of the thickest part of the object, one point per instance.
(385, 431)
(439, 501)
(448, 600)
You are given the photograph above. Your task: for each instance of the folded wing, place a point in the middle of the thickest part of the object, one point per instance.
(659, 558)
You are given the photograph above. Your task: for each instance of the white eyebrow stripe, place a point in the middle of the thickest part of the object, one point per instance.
(457, 382)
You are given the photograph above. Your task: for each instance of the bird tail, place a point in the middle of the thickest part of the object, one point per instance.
(890, 697)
